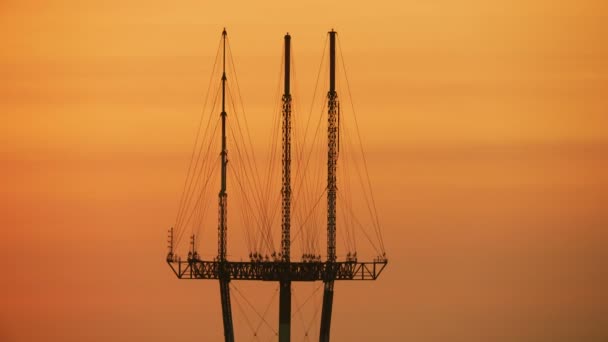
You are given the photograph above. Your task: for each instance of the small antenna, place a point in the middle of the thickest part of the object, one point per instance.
(170, 241)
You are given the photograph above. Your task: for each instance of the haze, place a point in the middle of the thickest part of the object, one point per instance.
(486, 131)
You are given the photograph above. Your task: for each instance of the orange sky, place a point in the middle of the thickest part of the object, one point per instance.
(485, 125)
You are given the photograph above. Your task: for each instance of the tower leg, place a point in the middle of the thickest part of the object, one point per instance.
(226, 310)
(285, 311)
(328, 299)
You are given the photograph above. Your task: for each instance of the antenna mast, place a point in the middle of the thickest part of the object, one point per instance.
(332, 160)
(285, 282)
(224, 276)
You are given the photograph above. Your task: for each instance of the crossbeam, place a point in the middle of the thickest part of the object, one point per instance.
(277, 270)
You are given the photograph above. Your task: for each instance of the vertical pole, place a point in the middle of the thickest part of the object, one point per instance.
(170, 254)
(332, 160)
(332, 153)
(224, 277)
(285, 282)
(222, 195)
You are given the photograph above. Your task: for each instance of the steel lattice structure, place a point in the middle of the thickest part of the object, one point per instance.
(281, 270)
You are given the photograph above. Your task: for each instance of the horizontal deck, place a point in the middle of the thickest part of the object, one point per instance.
(277, 270)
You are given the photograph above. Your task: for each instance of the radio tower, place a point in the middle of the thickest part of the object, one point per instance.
(285, 271)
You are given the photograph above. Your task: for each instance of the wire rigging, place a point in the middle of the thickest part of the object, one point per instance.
(364, 159)
(255, 185)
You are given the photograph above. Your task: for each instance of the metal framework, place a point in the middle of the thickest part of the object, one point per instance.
(332, 188)
(277, 270)
(282, 270)
(285, 280)
(224, 276)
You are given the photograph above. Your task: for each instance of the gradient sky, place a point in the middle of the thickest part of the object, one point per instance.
(486, 128)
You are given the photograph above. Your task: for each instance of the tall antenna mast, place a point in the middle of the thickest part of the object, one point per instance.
(285, 282)
(224, 276)
(221, 253)
(332, 160)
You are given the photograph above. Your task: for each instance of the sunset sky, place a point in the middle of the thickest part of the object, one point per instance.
(485, 125)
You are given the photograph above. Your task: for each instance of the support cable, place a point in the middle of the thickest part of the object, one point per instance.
(195, 174)
(194, 148)
(377, 220)
(253, 308)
